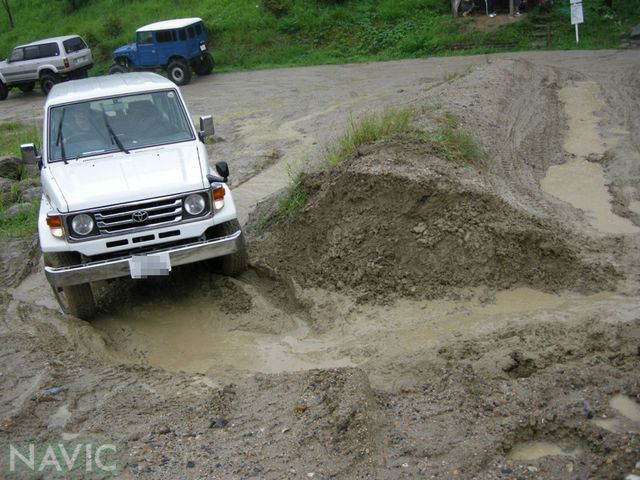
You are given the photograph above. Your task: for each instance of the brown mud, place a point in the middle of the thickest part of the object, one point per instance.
(416, 319)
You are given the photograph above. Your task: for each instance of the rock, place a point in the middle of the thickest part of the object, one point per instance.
(6, 186)
(219, 422)
(10, 167)
(55, 390)
(16, 208)
(191, 464)
(31, 194)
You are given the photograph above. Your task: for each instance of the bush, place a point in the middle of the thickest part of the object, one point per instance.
(278, 7)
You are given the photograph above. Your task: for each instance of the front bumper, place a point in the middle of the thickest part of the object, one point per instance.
(119, 267)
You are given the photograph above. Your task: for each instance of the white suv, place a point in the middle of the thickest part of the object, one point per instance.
(47, 61)
(127, 187)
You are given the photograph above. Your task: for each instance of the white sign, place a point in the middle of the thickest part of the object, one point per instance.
(576, 12)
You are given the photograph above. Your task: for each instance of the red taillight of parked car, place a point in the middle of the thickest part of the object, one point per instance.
(66, 63)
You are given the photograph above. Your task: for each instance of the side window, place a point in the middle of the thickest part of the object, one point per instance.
(191, 33)
(198, 29)
(17, 55)
(31, 53)
(166, 36)
(49, 50)
(145, 38)
(182, 35)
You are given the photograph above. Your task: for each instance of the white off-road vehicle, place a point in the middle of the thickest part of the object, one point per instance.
(127, 187)
(47, 61)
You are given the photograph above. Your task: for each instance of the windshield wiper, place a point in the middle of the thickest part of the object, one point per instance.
(59, 139)
(114, 137)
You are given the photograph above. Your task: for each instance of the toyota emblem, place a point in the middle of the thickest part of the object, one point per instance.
(139, 216)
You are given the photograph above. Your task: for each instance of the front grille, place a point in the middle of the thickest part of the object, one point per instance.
(139, 215)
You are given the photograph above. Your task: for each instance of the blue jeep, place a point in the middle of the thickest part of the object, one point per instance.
(177, 46)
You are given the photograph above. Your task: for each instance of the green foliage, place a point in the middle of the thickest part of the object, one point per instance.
(262, 34)
(454, 144)
(112, 27)
(13, 134)
(277, 7)
(20, 224)
(368, 128)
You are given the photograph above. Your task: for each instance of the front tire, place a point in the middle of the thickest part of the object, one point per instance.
(4, 91)
(76, 300)
(118, 68)
(47, 81)
(179, 72)
(236, 263)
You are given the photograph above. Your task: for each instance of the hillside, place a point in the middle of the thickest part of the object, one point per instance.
(265, 33)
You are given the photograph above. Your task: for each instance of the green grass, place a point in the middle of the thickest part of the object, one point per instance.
(448, 141)
(13, 134)
(249, 35)
(368, 128)
(23, 223)
(454, 144)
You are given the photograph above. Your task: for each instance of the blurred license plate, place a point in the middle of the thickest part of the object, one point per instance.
(143, 266)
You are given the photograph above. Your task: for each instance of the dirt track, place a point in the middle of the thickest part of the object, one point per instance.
(416, 318)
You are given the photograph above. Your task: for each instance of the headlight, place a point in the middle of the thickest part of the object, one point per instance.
(194, 204)
(82, 224)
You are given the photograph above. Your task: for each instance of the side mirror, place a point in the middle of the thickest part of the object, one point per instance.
(206, 126)
(30, 154)
(223, 170)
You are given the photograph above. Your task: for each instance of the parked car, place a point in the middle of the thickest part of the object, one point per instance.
(176, 46)
(47, 61)
(127, 187)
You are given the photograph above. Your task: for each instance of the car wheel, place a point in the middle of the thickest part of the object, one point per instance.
(203, 65)
(47, 81)
(179, 72)
(236, 263)
(4, 91)
(76, 300)
(118, 68)
(27, 87)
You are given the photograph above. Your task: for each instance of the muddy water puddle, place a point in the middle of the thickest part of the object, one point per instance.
(580, 182)
(627, 418)
(195, 336)
(535, 450)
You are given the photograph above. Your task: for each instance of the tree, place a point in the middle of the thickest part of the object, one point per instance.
(5, 4)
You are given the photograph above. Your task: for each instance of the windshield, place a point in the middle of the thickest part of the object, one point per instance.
(116, 124)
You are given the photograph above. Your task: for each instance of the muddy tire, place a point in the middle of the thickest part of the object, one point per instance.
(76, 300)
(236, 263)
(47, 81)
(179, 72)
(203, 65)
(4, 91)
(117, 68)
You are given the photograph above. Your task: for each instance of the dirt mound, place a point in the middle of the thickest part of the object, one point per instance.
(397, 221)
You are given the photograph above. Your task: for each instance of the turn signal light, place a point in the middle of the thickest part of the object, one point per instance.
(54, 221)
(218, 198)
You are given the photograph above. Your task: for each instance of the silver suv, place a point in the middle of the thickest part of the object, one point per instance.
(47, 61)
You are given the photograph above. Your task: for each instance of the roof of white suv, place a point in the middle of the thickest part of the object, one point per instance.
(169, 24)
(106, 86)
(49, 40)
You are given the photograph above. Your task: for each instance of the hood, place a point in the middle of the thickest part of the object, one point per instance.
(121, 178)
(124, 50)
